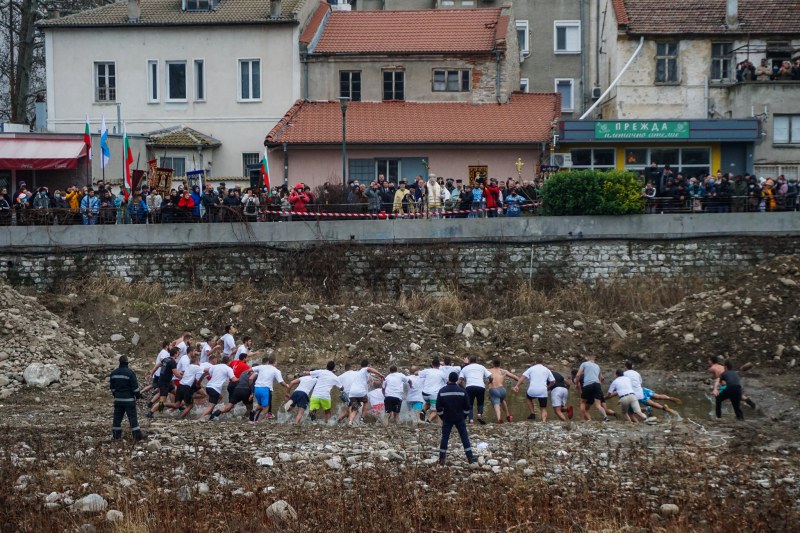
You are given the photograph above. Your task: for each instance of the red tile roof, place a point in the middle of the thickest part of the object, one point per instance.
(707, 17)
(527, 118)
(619, 11)
(423, 31)
(314, 23)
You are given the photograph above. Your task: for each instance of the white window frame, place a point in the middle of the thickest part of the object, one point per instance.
(567, 24)
(152, 82)
(185, 80)
(202, 85)
(792, 124)
(239, 63)
(571, 107)
(521, 24)
(525, 85)
(96, 85)
(592, 165)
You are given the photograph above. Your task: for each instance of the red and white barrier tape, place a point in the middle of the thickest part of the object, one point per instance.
(384, 215)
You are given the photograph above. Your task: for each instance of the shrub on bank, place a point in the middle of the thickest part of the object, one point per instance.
(592, 192)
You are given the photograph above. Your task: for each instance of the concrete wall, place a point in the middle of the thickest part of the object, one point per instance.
(398, 256)
(241, 126)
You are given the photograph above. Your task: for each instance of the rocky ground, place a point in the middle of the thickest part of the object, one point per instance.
(63, 473)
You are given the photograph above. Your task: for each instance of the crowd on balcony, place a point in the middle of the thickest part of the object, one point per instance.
(746, 71)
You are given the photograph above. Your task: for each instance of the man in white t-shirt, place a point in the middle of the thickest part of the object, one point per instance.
(300, 398)
(206, 347)
(475, 377)
(447, 366)
(538, 377)
(183, 343)
(263, 377)
(414, 398)
(218, 374)
(186, 386)
(227, 342)
(393, 388)
(346, 378)
(321, 396)
(623, 387)
(247, 344)
(359, 389)
(155, 372)
(432, 382)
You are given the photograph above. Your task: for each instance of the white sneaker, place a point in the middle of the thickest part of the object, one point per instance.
(288, 405)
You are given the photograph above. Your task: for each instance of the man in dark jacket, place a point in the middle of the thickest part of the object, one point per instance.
(125, 389)
(452, 406)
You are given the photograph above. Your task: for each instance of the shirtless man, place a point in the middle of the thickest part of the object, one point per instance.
(715, 368)
(497, 390)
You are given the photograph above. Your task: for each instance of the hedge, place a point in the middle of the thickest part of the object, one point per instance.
(592, 192)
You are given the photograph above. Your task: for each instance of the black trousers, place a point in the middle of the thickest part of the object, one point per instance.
(734, 394)
(476, 394)
(447, 427)
(120, 410)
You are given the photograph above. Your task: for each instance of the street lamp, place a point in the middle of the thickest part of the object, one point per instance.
(344, 101)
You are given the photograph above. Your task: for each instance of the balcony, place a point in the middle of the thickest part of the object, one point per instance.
(749, 98)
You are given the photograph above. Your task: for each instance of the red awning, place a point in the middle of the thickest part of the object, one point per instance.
(40, 154)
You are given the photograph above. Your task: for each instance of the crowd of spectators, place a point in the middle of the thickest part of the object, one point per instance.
(786, 71)
(666, 191)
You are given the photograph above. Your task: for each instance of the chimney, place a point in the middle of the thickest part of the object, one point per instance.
(275, 9)
(732, 16)
(134, 10)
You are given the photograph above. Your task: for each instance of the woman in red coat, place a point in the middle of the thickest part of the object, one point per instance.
(299, 199)
(492, 194)
(185, 206)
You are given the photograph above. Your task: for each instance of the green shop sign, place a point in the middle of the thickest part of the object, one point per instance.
(641, 129)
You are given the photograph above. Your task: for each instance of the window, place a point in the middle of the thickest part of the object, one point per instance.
(451, 80)
(667, 63)
(523, 38)
(362, 170)
(524, 85)
(250, 79)
(390, 168)
(567, 37)
(721, 60)
(594, 158)
(199, 80)
(176, 80)
(177, 164)
(564, 88)
(105, 87)
(350, 85)
(197, 5)
(691, 162)
(250, 159)
(152, 81)
(393, 85)
(786, 129)
(778, 52)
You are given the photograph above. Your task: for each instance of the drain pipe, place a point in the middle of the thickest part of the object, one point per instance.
(616, 80)
(304, 59)
(497, 75)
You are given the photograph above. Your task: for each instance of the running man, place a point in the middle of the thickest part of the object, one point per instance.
(447, 366)
(218, 374)
(497, 390)
(206, 347)
(169, 370)
(359, 389)
(728, 386)
(242, 392)
(623, 388)
(715, 368)
(452, 405)
(186, 386)
(346, 378)
(262, 377)
(155, 372)
(227, 343)
(300, 396)
(559, 397)
(590, 376)
(414, 398)
(474, 376)
(539, 378)
(432, 381)
(321, 396)
(393, 387)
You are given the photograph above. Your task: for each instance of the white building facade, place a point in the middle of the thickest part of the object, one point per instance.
(228, 70)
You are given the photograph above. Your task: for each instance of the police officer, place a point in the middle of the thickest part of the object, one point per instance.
(125, 389)
(452, 406)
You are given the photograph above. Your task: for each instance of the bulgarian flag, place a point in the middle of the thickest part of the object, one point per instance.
(265, 169)
(87, 138)
(127, 156)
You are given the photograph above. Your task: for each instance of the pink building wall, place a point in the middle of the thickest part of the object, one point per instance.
(315, 166)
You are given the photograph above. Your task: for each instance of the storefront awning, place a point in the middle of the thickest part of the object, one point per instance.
(40, 154)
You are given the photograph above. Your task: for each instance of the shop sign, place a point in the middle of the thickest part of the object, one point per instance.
(641, 129)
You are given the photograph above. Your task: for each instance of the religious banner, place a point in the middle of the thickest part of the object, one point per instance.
(161, 180)
(196, 177)
(641, 129)
(137, 178)
(475, 172)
